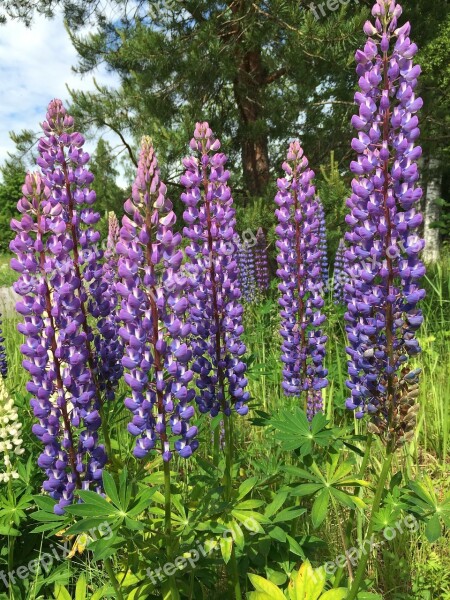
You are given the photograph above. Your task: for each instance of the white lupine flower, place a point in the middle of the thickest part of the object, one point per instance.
(10, 436)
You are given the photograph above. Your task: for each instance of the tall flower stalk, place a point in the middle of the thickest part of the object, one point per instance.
(384, 246)
(57, 258)
(155, 328)
(154, 316)
(301, 287)
(109, 345)
(247, 271)
(215, 308)
(340, 274)
(261, 261)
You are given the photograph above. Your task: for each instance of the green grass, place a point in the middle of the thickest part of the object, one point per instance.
(7, 275)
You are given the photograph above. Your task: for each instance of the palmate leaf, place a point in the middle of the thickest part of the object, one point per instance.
(295, 432)
(320, 508)
(423, 501)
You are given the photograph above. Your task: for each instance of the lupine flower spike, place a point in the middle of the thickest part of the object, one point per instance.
(301, 287)
(323, 244)
(57, 254)
(384, 245)
(215, 310)
(340, 274)
(153, 312)
(247, 274)
(3, 359)
(10, 436)
(261, 261)
(109, 345)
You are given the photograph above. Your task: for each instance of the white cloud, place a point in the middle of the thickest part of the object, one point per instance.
(35, 67)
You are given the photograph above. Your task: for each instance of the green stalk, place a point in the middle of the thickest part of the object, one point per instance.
(375, 507)
(113, 578)
(228, 484)
(227, 481)
(168, 528)
(351, 517)
(216, 449)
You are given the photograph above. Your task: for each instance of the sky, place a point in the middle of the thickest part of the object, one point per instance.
(35, 67)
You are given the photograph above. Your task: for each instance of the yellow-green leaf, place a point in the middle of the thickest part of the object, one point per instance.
(336, 594)
(309, 583)
(226, 545)
(266, 587)
(81, 588)
(61, 593)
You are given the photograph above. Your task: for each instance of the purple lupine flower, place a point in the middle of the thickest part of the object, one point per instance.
(57, 257)
(261, 261)
(109, 345)
(215, 310)
(314, 403)
(3, 360)
(247, 274)
(384, 245)
(323, 244)
(154, 315)
(340, 274)
(299, 268)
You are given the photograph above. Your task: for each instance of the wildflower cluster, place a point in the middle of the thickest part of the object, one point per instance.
(155, 328)
(215, 310)
(299, 268)
(247, 273)
(57, 259)
(261, 261)
(384, 245)
(340, 274)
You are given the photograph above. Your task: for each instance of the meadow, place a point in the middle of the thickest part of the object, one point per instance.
(190, 409)
(404, 568)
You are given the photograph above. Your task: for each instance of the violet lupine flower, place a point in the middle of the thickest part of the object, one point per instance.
(340, 274)
(247, 274)
(56, 252)
(3, 360)
(215, 310)
(154, 318)
(314, 403)
(261, 261)
(323, 244)
(299, 268)
(384, 246)
(109, 345)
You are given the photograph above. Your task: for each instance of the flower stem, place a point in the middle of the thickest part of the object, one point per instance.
(233, 568)
(174, 595)
(375, 507)
(167, 501)
(228, 425)
(216, 448)
(113, 578)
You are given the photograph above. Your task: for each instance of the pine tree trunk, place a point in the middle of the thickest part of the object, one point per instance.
(252, 132)
(433, 191)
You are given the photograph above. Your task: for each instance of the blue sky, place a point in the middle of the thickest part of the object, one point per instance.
(35, 66)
